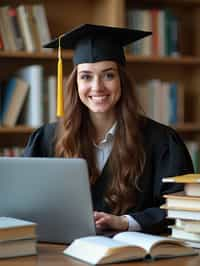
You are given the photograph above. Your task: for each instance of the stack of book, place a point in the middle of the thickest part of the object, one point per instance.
(11, 151)
(184, 207)
(160, 100)
(17, 237)
(28, 97)
(23, 27)
(164, 25)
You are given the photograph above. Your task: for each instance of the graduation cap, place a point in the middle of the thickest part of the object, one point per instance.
(93, 43)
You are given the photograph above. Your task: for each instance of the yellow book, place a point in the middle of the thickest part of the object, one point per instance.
(189, 178)
(191, 183)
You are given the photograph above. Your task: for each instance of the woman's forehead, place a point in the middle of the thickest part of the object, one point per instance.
(100, 66)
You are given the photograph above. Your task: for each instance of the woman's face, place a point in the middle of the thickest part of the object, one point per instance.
(99, 86)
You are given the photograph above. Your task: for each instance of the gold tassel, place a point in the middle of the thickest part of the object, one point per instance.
(60, 101)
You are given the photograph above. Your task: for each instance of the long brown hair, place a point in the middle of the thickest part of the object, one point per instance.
(76, 132)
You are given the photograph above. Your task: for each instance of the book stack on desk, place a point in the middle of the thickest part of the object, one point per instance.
(184, 207)
(17, 237)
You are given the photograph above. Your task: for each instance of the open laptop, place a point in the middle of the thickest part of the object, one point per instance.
(52, 192)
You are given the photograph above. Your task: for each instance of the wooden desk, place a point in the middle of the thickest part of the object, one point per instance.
(51, 255)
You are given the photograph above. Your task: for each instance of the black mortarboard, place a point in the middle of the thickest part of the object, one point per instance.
(93, 43)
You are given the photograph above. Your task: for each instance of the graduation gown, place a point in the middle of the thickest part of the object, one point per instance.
(166, 155)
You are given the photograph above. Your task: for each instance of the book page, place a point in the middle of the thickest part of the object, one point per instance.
(102, 241)
(100, 249)
(8, 222)
(140, 239)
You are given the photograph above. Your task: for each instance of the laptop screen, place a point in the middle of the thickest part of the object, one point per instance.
(53, 192)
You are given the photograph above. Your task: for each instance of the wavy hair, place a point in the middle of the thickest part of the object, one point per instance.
(74, 139)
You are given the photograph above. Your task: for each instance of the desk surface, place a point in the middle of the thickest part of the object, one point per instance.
(51, 255)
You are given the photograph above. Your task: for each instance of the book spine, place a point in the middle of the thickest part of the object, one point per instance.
(19, 42)
(1, 41)
(41, 23)
(173, 103)
(146, 26)
(16, 103)
(155, 39)
(161, 32)
(8, 38)
(33, 27)
(22, 17)
(9, 90)
(33, 75)
(51, 87)
(133, 22)
(171, 25)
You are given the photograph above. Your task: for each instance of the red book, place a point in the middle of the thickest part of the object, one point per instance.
(155, 39)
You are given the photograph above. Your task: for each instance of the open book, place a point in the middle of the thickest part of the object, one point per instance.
(126, 246)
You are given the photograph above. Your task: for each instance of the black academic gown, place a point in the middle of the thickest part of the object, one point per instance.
(166, 155)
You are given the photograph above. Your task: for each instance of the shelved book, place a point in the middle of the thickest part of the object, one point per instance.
(126, 246)
(11, 151)
(24, 27)
(160, 100)
(17, 237)
(164, 25)
(13, 100)
(34, 76)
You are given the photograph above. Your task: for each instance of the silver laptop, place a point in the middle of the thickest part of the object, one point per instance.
(52, 192)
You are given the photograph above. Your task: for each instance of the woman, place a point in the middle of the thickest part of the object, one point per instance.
(127, 154)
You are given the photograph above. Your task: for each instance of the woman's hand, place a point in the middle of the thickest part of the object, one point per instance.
(109, 221)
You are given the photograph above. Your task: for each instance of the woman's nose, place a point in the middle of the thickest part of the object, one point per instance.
(97, 84)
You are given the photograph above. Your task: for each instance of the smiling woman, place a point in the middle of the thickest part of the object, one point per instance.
(127, 153)
(99, 89)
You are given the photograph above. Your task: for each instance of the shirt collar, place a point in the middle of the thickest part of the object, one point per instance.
(109, 134)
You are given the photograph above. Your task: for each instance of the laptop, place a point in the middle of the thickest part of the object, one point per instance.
(53, 192)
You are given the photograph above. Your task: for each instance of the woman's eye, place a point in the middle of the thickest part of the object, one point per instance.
(85, 77)
(109, 75)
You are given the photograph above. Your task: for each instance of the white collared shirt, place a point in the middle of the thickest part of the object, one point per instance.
(103, 150)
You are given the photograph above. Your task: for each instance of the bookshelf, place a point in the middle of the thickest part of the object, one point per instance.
(62, 15)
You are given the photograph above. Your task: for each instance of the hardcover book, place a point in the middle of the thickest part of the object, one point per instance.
(17, 237)
(191, 183)
(12, 229)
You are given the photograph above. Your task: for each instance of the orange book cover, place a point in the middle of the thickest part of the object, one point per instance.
(155, 44)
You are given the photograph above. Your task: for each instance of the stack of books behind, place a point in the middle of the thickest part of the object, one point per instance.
(160, 100)
(184, 207)
(23, 27)
(17, 237)
(164, 25)
(28, 97)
